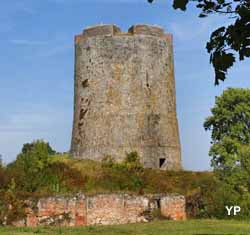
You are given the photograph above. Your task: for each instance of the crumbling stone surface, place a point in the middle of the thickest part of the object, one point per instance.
(116, 209)
(125, 96)
(66, 211)
(105, 209)
(173, 207)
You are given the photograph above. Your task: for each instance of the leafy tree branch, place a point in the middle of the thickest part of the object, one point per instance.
(227, 42)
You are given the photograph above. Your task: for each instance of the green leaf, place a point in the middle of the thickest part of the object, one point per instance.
(180, 4)
(202, 15)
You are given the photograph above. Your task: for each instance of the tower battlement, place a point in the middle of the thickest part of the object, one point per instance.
(113, 30)
(101, 30)
(125, 96)
(144, 29)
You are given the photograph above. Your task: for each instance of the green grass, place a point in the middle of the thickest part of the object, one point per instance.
(191, 227)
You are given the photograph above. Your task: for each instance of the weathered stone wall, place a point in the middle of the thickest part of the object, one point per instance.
(125, 96)
(116, 209)
(66, 211)
(102, 209)
(173, 207)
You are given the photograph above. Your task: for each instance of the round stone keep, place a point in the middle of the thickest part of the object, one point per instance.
(125, 96)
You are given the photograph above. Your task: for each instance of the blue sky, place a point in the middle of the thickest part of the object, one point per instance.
(37, 62)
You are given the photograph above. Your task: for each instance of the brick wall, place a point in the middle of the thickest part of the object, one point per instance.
(66, 211)
(116, 209)
(173, 207)
(103, 209)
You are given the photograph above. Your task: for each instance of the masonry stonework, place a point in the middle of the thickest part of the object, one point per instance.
(125, 96)
(104, 209)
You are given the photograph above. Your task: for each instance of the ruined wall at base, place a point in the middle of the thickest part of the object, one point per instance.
(66, 211)
(116, 209)
(173, 208)
(125, 96)
(105, 209)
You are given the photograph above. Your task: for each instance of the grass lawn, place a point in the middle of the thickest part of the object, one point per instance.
(191, 227)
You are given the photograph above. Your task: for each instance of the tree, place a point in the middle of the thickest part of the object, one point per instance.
(227, 41)
(35, 156)
(230, 126)
(29, 146)
(2, 174)
(230, 150)
(31, 163)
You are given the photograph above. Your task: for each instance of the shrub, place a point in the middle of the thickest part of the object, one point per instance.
(132, 163)
(11, 207)
(36, 174)
(126, 175)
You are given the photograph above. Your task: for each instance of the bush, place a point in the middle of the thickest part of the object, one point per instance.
(11, 207)
(126, 175)
(37, 173)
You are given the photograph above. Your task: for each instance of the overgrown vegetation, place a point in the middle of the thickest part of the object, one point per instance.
(39, 171)
(230, 150)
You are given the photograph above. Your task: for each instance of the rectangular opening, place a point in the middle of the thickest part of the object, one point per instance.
(161, 162)
(158, 202)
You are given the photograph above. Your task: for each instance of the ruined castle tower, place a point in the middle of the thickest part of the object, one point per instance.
(125, 96)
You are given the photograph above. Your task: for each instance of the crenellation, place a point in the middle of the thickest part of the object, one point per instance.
(101, 30)
(143, 29)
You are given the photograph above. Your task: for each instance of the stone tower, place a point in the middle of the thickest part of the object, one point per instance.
(125, 96)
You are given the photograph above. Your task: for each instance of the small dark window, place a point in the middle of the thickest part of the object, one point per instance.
(162, 161)
(158, 202)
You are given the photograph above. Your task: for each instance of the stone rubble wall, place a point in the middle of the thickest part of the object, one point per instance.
(124, 96)
(116, 209)
(66, 211)
(105, 209)
(173, 208)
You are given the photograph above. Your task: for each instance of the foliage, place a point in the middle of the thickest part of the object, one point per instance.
(2, 177)
(36, 173)
(34, 157)
(126, 175)
(132, 163)
(230, 150)
(1, 160)
(230, 126)
(28, 147)
(227, 41)
(12, 208)
(30, 164)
